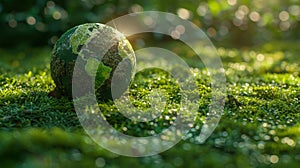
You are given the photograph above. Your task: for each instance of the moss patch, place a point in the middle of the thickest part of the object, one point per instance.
(259, 127)
(81, 35)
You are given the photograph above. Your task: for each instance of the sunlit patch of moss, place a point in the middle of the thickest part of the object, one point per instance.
(124, 48)
(95, 68)
(259, 127)
(103, 73)
(81, 35)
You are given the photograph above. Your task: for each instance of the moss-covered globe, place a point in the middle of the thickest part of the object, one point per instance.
(100, 52)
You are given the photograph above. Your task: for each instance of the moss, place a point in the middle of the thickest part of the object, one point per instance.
(93, 64)
(260, 121)
(81, 35)
(103, 73)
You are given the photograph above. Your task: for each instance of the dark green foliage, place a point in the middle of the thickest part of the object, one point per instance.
(41, 22)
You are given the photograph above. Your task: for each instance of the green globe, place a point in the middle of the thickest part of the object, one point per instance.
(101, 53)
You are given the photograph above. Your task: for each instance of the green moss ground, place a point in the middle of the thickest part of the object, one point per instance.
(259, 128)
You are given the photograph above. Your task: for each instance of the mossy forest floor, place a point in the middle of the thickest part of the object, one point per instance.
(260, 126)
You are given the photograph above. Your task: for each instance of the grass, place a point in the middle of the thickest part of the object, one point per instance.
(259, 128)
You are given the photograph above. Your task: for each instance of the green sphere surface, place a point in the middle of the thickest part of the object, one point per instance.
(101, 52)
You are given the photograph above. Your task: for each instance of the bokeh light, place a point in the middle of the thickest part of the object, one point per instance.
(274, 159)
(31, 20)
(202, 10)
(232, 2)
(284, 16)
(12, 23)
(223, 21)
(136, 8)
(254, 16)
(183, 13)
(294, 10)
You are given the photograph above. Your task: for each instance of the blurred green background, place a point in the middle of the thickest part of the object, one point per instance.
(235, 23)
